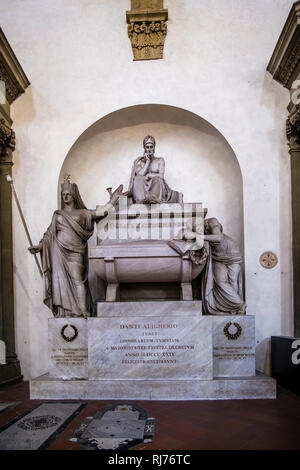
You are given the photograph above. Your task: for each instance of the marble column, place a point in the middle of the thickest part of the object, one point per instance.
(10, 370)
(15, 82)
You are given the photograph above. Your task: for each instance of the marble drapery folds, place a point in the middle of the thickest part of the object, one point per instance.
(65, 261)
(221, 284)
(145, 189)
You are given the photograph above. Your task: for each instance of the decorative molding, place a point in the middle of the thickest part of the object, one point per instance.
(293, 128)
(16, 82)
(235, 334)
(7, 140)
(147, 28)
(11, 71)
(11, 86)
(4, 114)
(285, 61)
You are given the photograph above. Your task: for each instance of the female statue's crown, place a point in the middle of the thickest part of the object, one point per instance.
(148, 139)
(74, 191)
(67, 185)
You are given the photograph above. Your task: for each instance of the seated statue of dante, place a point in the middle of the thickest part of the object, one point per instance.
(147, 183)
(64, 254)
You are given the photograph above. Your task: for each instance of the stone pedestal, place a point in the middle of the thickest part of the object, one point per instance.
(68, 349)
(234, 346)
(150, 340)
(261, 386)
(152, 351)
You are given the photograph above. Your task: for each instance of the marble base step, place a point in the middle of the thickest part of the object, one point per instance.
(241, 388)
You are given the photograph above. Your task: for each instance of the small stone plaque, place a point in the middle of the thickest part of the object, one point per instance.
(68, 353)
(143, 347)
(2, 352)
(234, 346)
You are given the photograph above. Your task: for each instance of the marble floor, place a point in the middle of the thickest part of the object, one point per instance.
(191, 425)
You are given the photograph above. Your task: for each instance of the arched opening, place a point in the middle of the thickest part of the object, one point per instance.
(199, 161)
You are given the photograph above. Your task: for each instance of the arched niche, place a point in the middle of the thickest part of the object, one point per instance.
(199, 161)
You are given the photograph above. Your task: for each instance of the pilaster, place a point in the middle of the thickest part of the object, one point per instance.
(147, 28)
(15, 81)
(284, 66)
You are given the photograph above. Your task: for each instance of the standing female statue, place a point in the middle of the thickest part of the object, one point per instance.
(222, 290)
(147, 184)
(64, 254)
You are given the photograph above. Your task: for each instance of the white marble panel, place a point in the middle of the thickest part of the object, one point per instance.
(67, 343)
(234, 346)
(139, 347)
(174, 307)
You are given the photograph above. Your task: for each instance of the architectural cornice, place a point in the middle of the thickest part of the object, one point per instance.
(285, 61)
(293, 127)
(11, 71)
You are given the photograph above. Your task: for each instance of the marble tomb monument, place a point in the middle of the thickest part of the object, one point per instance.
(172, 324)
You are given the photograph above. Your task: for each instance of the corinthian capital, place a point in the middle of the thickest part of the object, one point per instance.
(147, 28)
(7, 140)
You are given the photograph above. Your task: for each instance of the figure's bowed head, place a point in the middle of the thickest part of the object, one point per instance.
(149, 146)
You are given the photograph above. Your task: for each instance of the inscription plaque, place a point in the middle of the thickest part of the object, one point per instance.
(68, 354)
(233, 346)
(138, 347)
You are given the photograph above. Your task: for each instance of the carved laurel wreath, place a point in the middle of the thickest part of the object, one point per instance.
(232, 336)
(69, 338)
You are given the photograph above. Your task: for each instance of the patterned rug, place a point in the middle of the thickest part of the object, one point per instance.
(117, 427)
(5, 405)
(38, 427)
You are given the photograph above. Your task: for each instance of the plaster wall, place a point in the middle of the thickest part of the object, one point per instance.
(79, 60)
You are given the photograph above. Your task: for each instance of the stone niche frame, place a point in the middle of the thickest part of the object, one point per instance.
(12, 74)
(99, 144)
(147, 28)
(284, 66)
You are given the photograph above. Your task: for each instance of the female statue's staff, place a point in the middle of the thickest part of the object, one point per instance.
(10, 181)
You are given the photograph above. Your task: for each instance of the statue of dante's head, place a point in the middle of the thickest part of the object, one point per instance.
(149, 139)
